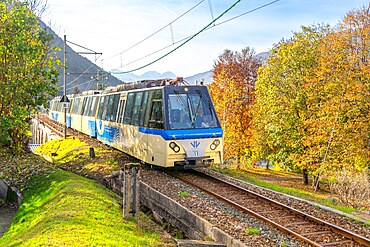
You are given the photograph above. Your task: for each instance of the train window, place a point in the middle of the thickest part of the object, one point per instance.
(112, 105)
(144, 104)
(157, 94)
(102, 107)
(156, 116)
(76, 105)
(70, 106)
(108, 108)
(120, 112)
(128, 108)
(51, 106)
(114, 108)
(179, 111)
(148, 108)
(190, 110)
(81, 110)
(87, 106)
(94, 103)
(136, 109)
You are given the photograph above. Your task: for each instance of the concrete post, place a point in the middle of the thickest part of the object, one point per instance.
(130, 191)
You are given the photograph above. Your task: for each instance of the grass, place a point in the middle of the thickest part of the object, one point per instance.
(72, 154)
(252, 231)
(258, 177)
(184, 194)
(63, 209)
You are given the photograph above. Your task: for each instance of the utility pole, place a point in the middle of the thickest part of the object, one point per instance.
(64, 88)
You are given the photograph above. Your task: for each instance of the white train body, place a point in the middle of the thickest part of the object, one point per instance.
(161, 125)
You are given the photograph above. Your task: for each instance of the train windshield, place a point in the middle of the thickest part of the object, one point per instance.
(192, 109)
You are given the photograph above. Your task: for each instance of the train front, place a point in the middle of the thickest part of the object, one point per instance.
(193, 131)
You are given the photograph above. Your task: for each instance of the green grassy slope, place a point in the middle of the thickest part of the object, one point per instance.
(64, 209)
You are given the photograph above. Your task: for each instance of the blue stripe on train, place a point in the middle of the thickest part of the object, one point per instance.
(69, 121)
(54, 116)
(92, 127)
(183, 134)
(108, 135)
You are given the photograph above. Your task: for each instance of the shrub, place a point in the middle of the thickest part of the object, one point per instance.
(352, 188)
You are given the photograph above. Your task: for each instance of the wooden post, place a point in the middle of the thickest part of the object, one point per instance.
(130, 192)
(92, 152)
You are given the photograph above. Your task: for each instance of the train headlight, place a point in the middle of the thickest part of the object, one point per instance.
(174, 147)
(215, 144)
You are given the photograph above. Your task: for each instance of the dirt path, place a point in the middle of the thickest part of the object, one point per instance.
(7, 213)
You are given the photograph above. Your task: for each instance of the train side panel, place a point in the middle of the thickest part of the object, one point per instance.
(156, 150)
(88, 120)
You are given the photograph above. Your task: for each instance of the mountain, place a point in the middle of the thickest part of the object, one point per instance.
(150, 75)
(206, 78)
(82, 74)
(263, 56)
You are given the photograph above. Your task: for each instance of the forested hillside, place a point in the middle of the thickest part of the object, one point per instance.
(81, 72)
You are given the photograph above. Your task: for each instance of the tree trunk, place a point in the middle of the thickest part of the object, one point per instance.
(315, 183)
(268, 165)
(305, 176)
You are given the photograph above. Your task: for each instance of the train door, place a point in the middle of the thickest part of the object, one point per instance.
(139, 139)
(142, 146)
(92, 115)
(156, 145)
(120, 112)
(80, 114)
(107, 126)
(85, 115)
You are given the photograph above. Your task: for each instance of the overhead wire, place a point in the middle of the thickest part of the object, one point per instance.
(188, 38)
(78, 77)
(81, 84)
(151, 35)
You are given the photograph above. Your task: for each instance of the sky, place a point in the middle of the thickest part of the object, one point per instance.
(132, 35)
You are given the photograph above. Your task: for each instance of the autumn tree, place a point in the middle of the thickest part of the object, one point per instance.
(282, 111)
(341, 90)
(232, 90)
(28, 73)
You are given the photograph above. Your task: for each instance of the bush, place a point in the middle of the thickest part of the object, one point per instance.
(352, 188)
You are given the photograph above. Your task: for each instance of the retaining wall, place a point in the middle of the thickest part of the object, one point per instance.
(10, 194)
(192, 225)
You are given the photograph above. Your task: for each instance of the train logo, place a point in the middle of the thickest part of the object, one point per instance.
(195, 144)
(100, 127)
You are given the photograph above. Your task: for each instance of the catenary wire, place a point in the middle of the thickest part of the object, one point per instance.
(208, 27)
(188, 37)
(169, 24)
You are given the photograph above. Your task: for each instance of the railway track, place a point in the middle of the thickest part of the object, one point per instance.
(56, 127)
(307, 228)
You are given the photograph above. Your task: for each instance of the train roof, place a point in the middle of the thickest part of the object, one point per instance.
(145, 84)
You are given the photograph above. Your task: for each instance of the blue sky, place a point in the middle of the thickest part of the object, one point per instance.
(113, 26)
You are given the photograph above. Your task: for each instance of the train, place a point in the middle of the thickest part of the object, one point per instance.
(164, 123)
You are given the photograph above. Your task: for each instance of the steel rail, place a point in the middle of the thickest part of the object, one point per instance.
(299, 214)
(54, 126)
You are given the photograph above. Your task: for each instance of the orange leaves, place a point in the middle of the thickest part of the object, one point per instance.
(232, 91)
(313, 97)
